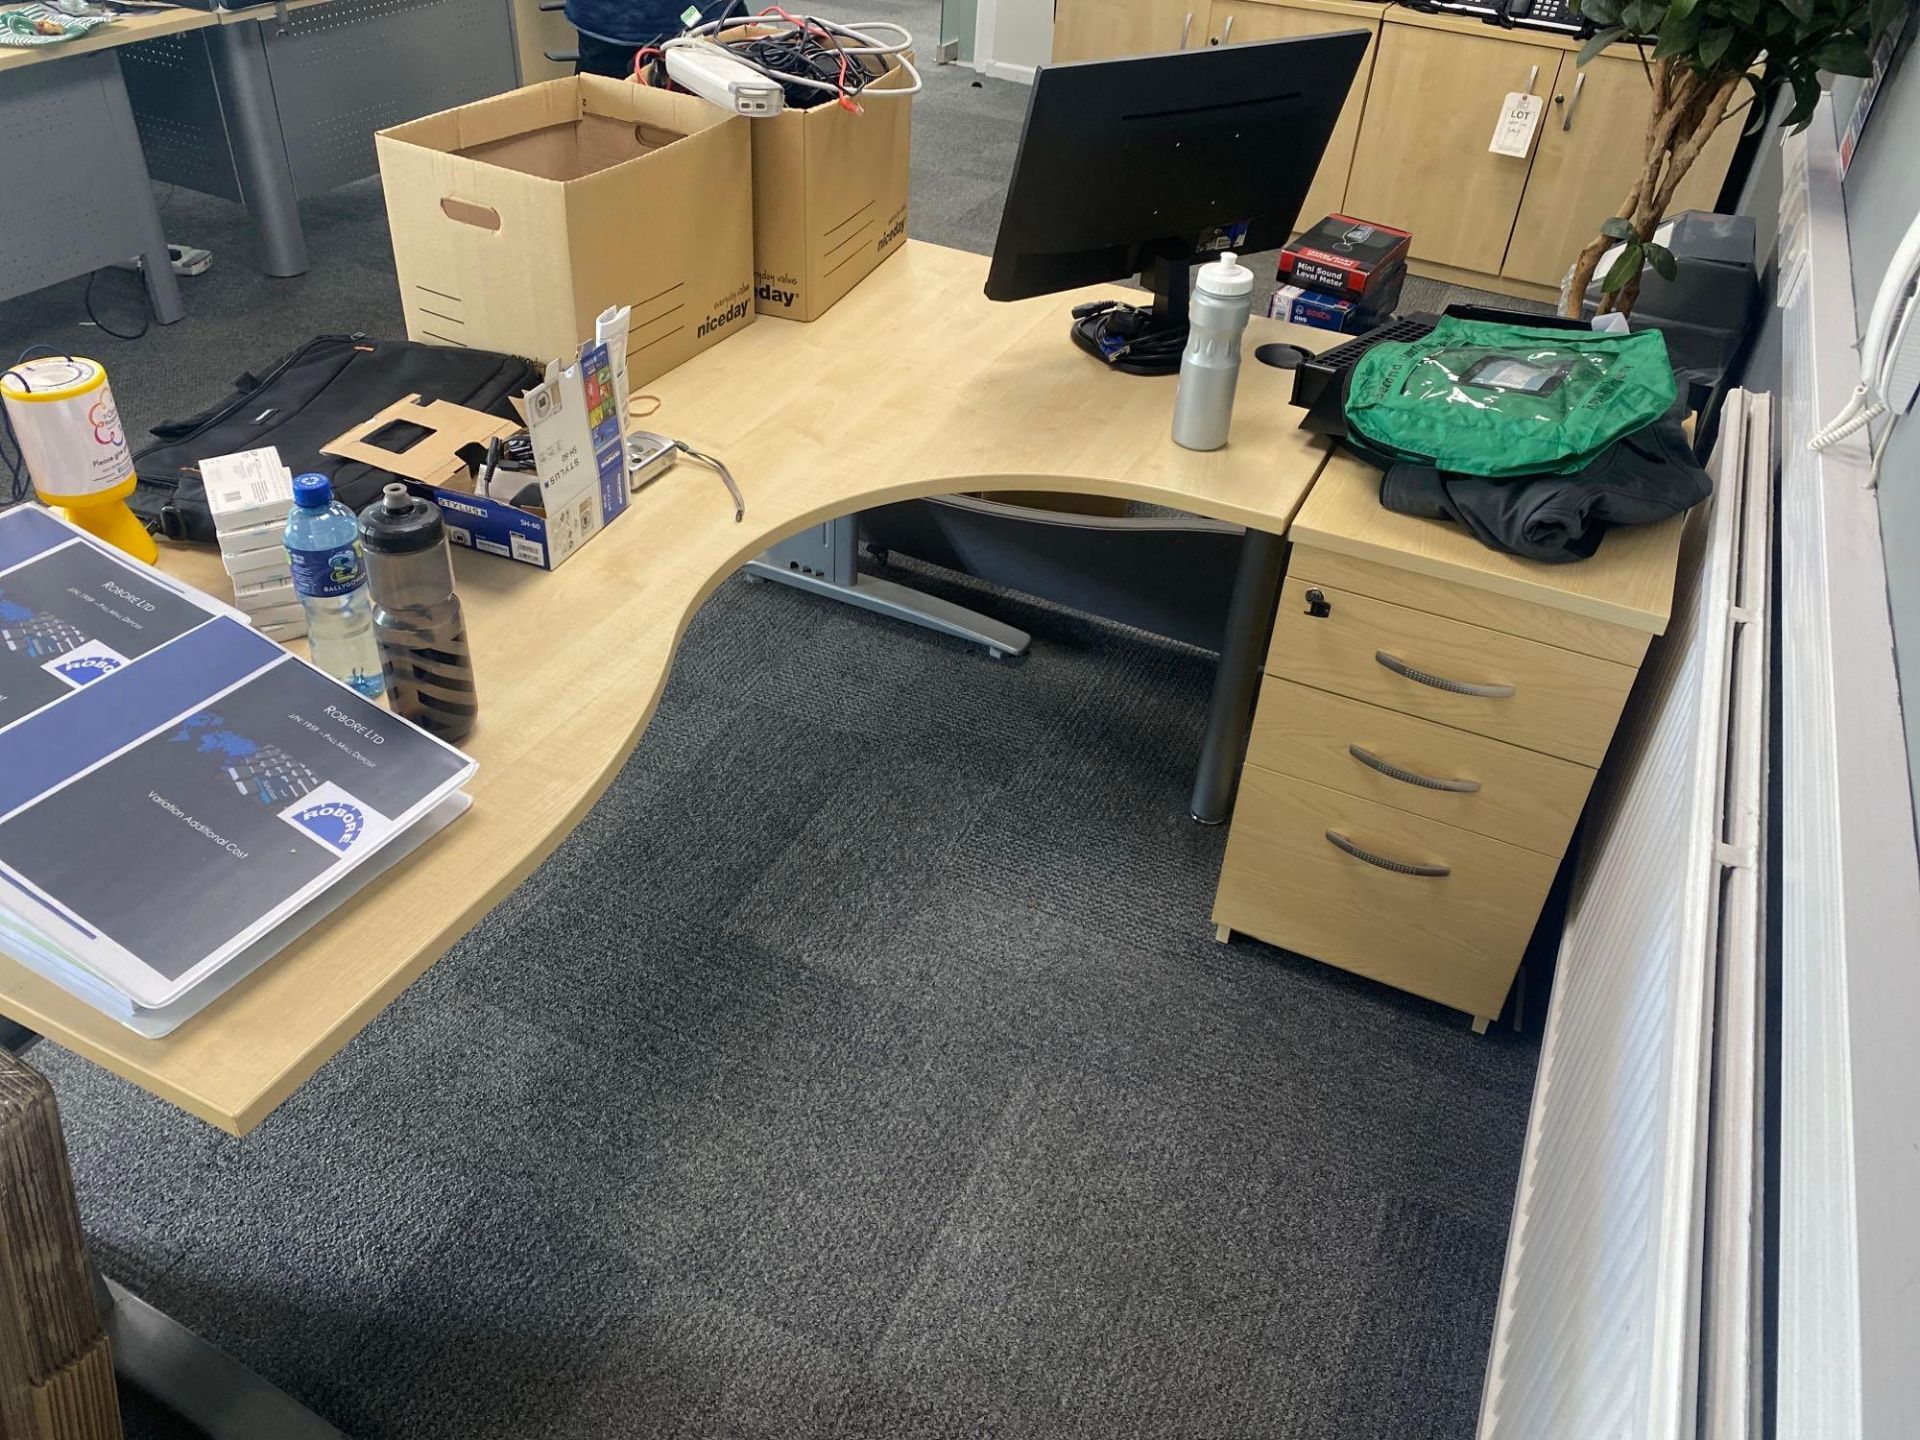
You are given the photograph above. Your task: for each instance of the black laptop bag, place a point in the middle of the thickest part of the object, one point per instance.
(306, 400)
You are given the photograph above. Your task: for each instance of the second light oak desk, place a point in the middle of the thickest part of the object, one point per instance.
(92, 204)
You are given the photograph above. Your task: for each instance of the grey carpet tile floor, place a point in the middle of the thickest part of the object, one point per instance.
(862, 1066)
(846, 1078)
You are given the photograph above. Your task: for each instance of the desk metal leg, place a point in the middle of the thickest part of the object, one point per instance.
(200, 1383)
(163, 286)
(825, 560)
(259, 146)
(1256, 594)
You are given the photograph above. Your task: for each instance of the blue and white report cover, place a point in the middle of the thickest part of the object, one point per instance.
(172, 809)
(72, 610)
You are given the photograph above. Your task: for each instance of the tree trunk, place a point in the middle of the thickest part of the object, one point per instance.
(1686, 108)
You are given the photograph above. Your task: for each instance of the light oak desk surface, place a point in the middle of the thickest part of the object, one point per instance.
(126, 30)
(915, 384)
(1629, 584)
(132, 28)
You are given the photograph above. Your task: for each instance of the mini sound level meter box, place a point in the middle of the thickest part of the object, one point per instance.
(1345, 257)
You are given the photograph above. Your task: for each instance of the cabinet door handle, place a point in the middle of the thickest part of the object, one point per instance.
(1398, 867)
(1186, 29)
(1440, 682)
(1533, 78)
(1579, 83)
(1411, 777)
(1226, 35)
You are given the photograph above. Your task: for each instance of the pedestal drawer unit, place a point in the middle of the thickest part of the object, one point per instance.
(1412, 764)
(1430, 724)
(1388, 894)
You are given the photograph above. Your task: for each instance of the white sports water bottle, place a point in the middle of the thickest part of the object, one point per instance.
(1210, 368)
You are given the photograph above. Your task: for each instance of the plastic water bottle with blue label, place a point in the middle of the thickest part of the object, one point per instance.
(330, 576)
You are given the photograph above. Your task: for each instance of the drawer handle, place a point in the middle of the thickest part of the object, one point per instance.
(1440, 682)
(1399, 867)
(1579, 84)
(1411, 777)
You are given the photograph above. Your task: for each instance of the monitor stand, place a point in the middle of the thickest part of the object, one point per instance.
(1149, 341)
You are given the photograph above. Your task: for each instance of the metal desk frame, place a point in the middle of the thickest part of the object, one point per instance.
(269, 109)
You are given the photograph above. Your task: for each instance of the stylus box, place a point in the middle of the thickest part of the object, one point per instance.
(576, 489)
(1344, 256)
(517, 219)
(829, 199)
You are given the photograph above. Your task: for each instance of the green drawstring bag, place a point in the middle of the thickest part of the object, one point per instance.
(1476, 398)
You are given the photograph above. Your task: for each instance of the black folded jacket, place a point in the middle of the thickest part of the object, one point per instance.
(1648, 476)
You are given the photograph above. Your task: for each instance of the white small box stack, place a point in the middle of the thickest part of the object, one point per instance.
(249, 495)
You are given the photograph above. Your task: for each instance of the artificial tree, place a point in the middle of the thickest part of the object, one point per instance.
(1705, 55)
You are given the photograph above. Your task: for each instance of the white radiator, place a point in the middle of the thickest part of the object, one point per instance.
(1613, 1275)
(1849, 1258)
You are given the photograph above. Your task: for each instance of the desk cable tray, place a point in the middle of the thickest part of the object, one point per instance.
(1320, 384)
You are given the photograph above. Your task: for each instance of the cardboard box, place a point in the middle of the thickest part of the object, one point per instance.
(415, 439)
(574, 420)
(247, 539)
(247, 488)
(1342, 256)
(829, 200)
(250, 565)
(518, 219)
(272, 592)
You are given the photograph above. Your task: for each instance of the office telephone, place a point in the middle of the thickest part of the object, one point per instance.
(1546, 15)
(1558, 16)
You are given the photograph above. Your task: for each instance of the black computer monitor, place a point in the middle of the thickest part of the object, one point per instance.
(1141, 166)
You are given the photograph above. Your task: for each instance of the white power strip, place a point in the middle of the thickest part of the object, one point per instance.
(185, 259)
(732, 84)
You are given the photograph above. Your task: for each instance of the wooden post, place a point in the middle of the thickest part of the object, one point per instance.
(56, 1371)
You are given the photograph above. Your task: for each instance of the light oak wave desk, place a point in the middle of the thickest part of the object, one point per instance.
(913, 385)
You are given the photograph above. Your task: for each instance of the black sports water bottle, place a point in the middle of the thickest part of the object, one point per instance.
(416, 616)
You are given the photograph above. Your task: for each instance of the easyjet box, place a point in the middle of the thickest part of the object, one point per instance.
(829, 198)
(517, 219)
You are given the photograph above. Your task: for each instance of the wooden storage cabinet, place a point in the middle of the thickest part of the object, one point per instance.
(1422, 162)
(1239, 21)
(1407, 826)
(1410, 147)
(1585, 160)
(1107, 29)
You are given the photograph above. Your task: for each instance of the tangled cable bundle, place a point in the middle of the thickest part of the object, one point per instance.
(814, 61)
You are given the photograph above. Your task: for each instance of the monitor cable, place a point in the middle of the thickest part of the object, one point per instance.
(1125, 337)
(93, 317)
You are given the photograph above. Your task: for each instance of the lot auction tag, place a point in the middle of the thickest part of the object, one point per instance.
(1519, 118)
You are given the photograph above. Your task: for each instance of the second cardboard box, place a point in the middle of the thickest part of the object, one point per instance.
(829, 198)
